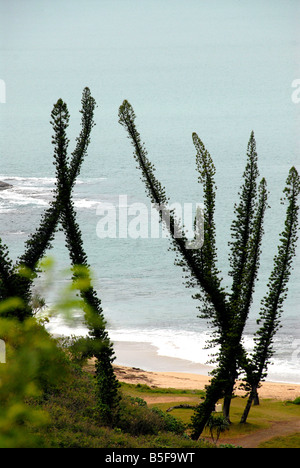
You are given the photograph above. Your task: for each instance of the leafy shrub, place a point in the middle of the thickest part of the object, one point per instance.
(171, 424)
(296, 401)
(35, 367)
(136, 418)
(217, 425)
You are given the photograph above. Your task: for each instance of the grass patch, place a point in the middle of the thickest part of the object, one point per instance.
(261, 417)
(290, 441)
(143, 388)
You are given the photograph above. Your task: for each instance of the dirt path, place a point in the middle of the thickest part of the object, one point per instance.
(152, 400)
(278, 429)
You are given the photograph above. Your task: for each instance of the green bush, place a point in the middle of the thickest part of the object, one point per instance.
(170, 423)
(35, 368)
(296, 401)
(136, 418)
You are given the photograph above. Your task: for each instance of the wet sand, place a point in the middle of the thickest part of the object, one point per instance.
(139, 363)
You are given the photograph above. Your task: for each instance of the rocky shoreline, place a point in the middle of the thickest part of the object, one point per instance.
(4, 186)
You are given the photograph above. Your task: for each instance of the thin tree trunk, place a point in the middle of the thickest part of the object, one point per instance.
(256, 399)
(206, 409)
(219, 388)
(226, 408)
(251, 398)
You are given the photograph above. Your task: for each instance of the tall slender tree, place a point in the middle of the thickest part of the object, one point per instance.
(227, 312)
(199, 265)
(13, 284)
(108, 386)
(158, 196)
(40, 241)
(206, 255)
(61, 209)
(246, 232)
(242, 226)
(272, 304)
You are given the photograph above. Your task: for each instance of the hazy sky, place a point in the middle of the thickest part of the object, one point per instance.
(58, 24)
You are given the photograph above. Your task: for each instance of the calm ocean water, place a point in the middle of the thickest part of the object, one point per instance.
(217, 68)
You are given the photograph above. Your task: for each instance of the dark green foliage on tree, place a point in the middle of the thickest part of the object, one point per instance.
(7, 287)
(245, 258)
(15, 281)
(12, 284)
(206, 256)
(157, 194)
(242, 225)
(272, 304)
(107, 383)
(207, 170)
(40, 241)
(228, 312)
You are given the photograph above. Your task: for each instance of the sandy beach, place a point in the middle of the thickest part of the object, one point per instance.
(137, 363)
(181, 380)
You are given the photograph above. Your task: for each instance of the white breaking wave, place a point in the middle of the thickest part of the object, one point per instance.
(15, 196)
(181, 344)
(170, 343)
(35, 181)
(84, 203)
(37, 191)
(26, 191)
(58, 326)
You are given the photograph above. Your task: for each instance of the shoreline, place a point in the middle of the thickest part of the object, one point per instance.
(145, 356)
(139, 363)
(187, 381)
